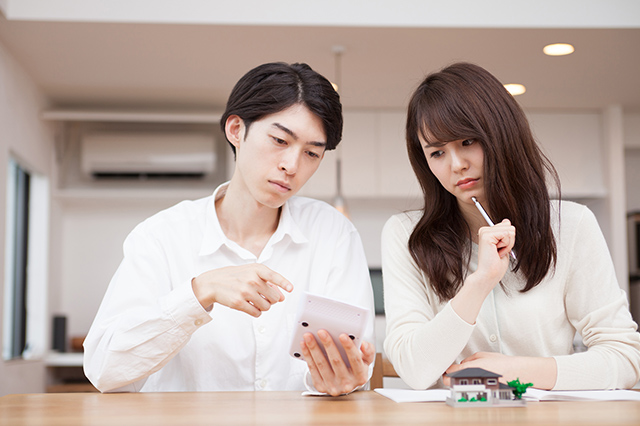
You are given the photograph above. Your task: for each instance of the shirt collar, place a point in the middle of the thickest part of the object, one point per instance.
(289, 226)
(214, 237)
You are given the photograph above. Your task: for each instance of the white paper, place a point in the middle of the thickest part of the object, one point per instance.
(409, 395)
(440, 395)
(584, 395)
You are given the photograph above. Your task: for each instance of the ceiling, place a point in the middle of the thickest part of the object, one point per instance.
(195, 66)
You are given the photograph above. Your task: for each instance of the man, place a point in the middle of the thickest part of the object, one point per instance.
(197, 302)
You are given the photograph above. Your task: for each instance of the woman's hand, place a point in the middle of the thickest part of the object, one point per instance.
(494, 245)
(537, 370)
(329, 373)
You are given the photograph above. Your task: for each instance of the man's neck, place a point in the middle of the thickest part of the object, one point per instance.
(245, 221)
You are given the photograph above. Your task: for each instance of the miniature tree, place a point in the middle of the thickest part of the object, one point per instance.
(519, 388)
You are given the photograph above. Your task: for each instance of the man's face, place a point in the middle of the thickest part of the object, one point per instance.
(279, 153)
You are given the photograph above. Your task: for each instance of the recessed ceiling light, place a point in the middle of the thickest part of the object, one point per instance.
(558, 49)
(515, 89)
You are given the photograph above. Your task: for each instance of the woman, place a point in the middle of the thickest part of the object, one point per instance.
(454, 296)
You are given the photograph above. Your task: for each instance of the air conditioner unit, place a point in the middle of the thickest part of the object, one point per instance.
(147, 154)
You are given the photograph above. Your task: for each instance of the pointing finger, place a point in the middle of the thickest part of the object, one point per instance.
(273, 277)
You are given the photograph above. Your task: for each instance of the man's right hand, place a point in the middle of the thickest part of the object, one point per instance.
(251, 288)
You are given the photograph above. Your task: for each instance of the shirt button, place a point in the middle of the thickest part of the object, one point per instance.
(493, 338)
(198, 322)
(263, 383)
(261, 329)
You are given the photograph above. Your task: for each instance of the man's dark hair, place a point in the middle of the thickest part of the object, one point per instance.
(274, 87)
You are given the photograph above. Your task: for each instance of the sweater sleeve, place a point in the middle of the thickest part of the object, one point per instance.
(423, 337)
(598, 309)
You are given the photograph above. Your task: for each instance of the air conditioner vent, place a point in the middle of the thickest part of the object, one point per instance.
(146, 176)
(147, 155)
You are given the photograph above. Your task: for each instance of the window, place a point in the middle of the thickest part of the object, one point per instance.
(477, 381)
(464, 382)
(25, 263)
(16, 261)
(376, 282)
(492, 382)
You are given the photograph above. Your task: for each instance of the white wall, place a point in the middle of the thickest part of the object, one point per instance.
(632, 169)
(88, 229)
(3, 6)
(632, 129)
(459, 13)
(91, 230)
(89, 249)
(24, 136)
(632, 179)
(573, 141)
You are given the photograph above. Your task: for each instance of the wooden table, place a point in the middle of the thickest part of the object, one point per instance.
(289, 408)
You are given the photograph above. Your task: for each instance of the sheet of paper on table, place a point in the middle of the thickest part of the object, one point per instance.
(409, 395)
(585, 395)
(440, 395)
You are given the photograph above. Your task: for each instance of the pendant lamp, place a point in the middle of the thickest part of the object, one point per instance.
(338, 200)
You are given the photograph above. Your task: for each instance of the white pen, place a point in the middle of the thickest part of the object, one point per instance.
(488, 219)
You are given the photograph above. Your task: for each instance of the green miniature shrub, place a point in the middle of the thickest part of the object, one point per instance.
(519, 388)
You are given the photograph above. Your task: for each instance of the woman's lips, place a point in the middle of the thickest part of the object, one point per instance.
(466, 183)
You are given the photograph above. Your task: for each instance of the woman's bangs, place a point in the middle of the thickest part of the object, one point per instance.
(439, 128)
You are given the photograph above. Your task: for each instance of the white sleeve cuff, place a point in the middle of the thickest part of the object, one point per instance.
(185, 309)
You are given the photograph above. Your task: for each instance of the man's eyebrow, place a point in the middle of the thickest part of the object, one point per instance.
(286, 130)
(295, 136)
(318, 144)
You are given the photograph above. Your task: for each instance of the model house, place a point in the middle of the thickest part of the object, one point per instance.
(474, 387)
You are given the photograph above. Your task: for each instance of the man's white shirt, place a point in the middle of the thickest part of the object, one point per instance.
(152, 334)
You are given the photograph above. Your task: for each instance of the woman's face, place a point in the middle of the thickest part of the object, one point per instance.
(458, 166)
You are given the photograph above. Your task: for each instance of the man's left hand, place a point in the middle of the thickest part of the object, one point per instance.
(330, 374)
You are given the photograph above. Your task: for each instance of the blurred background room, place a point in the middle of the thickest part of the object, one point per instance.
(109, 113)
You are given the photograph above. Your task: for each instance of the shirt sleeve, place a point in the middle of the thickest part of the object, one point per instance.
(599, 311)
(349, 281)
(143, 321)
(421, 342)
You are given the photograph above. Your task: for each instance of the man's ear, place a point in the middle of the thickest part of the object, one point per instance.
(234, 129)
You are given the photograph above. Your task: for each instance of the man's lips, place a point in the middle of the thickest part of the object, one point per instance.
(281, 185)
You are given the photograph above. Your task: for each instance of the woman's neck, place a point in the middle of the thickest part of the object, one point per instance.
(474, 219)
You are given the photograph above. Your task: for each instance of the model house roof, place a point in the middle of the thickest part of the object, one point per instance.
(473, 372)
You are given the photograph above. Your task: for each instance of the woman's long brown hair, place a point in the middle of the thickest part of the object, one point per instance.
(464, 101)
